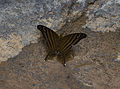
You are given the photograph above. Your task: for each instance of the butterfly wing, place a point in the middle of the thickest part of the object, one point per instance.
(50, 36)
(69, 40)
(63, 44)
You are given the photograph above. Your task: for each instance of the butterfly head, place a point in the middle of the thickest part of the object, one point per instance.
(57, 52)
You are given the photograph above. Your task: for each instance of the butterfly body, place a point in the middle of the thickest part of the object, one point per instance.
(59, 45)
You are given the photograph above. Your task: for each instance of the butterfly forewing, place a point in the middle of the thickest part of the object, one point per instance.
(69, 40)
(50, 36)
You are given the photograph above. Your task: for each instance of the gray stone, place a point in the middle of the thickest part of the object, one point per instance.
(104, 16)
(19, 18)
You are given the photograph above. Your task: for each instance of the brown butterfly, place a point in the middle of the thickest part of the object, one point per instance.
(59, 45)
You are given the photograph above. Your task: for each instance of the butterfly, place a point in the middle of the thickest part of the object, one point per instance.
(57, 44)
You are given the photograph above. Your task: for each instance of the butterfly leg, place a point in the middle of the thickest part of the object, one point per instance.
(64, 60)
(47, 56)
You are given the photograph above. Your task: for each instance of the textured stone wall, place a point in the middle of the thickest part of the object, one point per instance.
(104, 15)
(19, 18)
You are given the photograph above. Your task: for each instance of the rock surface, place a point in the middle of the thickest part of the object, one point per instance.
(104, 15)
(96, 63)
(93, 67)
(20, 18)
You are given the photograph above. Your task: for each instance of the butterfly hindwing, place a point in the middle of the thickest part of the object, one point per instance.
(50, 36)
